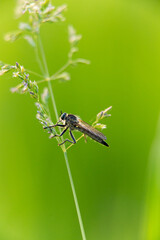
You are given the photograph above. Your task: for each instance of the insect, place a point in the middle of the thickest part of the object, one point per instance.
(72, 122)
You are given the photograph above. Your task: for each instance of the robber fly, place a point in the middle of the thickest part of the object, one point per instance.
(73, 122)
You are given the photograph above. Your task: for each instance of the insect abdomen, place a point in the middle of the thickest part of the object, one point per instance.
(93, 136)
(104, 143)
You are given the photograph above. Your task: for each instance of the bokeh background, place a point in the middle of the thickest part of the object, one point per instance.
(118, 188)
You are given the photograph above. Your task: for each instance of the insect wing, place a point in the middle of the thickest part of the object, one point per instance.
(89, 129)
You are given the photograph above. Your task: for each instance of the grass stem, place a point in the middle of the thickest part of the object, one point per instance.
(75, 197)
(34, 73)
(63, 146)
(60, 70)
(37, 56)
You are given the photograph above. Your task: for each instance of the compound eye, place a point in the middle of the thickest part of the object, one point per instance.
(63, 116)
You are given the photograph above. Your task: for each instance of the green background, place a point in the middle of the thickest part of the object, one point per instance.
(118, 188)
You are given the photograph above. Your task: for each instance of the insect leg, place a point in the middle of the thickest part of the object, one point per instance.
(85, 138)
(74, 140)
(56, 135)
(67, 140)
(56, 125)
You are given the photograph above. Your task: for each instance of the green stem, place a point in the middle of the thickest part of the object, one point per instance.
(53, 100)
(64, 149)
(53, 77)
(47, 75)
(37, 56)
(41, 81)
(60, 70)
(43, 57)
(34, 73)
(75, 197)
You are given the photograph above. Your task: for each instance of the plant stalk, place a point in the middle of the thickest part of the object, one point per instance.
(63, 146)
(75, 197)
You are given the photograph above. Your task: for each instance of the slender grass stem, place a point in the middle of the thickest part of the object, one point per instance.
(34, 73)
(75, 197)
(43, 56)
(63, 146)
(37, 56)
(47, 75)
(60, 70)
(53, 77)
(53, 100)
(41, 81)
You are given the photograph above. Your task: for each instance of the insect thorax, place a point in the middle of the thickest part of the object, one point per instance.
(71, 121)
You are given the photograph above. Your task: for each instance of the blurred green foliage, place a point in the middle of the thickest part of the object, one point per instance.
(122, 40)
